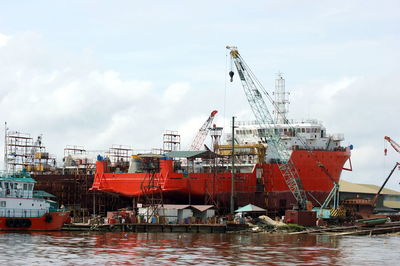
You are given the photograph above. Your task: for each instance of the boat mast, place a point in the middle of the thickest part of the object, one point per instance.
(5, 148)
(233, 166)
(281, 101)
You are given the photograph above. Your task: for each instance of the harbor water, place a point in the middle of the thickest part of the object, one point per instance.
(83, 248)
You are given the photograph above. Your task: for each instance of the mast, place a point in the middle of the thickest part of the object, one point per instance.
(5, 148)
(280, 101)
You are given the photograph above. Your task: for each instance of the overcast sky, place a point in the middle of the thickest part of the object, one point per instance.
(98, 73)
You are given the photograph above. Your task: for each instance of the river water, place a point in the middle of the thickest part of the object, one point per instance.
(82, 248)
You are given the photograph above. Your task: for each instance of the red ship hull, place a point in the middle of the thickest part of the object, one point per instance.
(52, 221)
(269, 189)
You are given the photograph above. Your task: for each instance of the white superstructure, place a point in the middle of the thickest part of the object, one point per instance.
(17, 199)
(293, 135)
(305, 134)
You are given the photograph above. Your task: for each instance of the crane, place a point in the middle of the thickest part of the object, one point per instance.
(396, 147)
(383, 185)
(394, 144)
(278, 150)
(203, 131)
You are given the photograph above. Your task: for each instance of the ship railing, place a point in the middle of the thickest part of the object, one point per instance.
(24, 213)
(297, 147)
(289, 121)
(337, 137)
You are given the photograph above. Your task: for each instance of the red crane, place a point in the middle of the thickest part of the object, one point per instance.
(395, 146)
(202, 134)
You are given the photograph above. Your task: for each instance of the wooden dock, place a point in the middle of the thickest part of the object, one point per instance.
(386, 228)
(157, 228)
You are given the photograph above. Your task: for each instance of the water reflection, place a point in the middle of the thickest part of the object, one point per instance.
(77, 248)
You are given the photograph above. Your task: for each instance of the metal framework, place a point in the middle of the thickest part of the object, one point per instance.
(21, 151)
(394, 144)
(278, 150)
(151, 187)
(203, 132)
(171, 141)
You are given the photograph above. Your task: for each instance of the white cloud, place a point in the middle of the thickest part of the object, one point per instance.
(3, 39)
(175, 92)
(90, 107)
(78, 83)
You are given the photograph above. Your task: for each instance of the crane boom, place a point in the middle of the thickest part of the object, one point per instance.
(278, 150)
(383, 185)
(203, 131)
(394, 144)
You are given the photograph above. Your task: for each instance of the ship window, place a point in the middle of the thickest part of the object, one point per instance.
(11, 185)
(33, 204)
(25, 186)
(303, 130)
(308, 130)
(2, 203)
(30, 187)
(7, 185)
(1, 184)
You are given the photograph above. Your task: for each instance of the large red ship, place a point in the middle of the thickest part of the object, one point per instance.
(206, 177)
(196, 177)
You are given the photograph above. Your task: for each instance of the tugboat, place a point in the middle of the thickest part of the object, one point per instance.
(23, 209)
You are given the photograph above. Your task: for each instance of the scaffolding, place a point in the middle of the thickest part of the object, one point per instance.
(77, 161)
(171, 141)
(151, 187)
(119, 156)
(21, 151)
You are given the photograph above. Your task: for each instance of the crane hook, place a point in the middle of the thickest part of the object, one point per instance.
(231, 73)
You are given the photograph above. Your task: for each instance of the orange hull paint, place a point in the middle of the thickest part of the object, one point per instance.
(37, 223)
(200, 184)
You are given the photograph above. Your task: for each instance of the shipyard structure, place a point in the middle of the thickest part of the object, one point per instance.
(273, 162)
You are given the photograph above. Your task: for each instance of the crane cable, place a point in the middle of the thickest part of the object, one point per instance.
(226, 67)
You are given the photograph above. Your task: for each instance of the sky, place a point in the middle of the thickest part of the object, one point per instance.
(102, 73)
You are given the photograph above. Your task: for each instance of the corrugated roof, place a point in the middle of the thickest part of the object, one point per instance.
(250, 208)
(174, 206)
(346, 186)
(202, 207)
(185, 206)
(391, 204)
(42, 194)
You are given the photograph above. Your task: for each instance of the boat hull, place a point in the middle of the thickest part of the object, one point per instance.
(52, 221)
(263, 185)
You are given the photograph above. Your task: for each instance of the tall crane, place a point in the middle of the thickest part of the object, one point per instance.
(203, 131)
(278, 150)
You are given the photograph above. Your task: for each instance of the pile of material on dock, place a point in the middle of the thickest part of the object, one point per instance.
(266, 224)
(378, 229)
